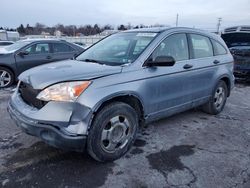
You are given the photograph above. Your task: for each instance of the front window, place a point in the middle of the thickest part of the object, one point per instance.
(118, 49)
(41, 48)
(175, 45)
(16, 46)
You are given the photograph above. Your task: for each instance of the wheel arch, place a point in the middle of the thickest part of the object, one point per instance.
(226, 79)
(129, 98)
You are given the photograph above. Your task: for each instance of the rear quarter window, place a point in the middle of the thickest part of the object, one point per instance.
(219, 49)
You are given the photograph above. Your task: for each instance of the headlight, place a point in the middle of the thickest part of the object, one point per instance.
(67, 91)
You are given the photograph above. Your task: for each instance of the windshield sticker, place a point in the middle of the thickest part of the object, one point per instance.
(146, 34)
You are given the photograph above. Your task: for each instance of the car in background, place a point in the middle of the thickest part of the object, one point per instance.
(25, 54)
(98, 100)
(5, 43)
(238, 41)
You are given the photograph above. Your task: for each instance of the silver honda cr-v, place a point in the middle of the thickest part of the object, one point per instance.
(98, 100)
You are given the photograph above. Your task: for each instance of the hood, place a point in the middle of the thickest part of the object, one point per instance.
(4, 51)
(68, 70)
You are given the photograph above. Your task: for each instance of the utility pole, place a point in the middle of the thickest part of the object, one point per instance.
(218, 25)
(177, 20)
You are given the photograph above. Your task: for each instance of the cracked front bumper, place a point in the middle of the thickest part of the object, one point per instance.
(53, 123)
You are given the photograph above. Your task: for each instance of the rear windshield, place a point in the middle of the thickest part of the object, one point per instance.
(236, 39)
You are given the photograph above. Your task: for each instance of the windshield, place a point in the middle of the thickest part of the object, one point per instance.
(236, 39)
(17, 45)
(118, 49)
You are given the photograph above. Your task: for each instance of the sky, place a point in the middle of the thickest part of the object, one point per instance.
(192, 13)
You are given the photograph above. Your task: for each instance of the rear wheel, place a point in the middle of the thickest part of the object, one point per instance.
(113, 132)
(6, 77)
(218, 100)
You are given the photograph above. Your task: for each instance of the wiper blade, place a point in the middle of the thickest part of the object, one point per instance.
(92, 61)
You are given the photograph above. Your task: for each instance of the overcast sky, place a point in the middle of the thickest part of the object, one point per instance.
(192, 13)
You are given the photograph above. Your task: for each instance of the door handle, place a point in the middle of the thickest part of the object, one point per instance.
(187, 66)
(216, 61)
(49, 57)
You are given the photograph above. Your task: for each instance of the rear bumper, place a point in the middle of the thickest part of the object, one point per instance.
(51, 132)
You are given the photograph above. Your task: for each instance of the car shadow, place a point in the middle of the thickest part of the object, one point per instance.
(43, 166)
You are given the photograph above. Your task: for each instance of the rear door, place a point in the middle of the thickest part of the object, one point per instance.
(204, 67)
(63, 51)
(37, 54)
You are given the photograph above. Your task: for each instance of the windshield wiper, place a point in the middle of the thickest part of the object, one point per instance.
(92, 61)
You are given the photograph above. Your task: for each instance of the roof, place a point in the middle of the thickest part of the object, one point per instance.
(151, 29)
(162, 29)
(41, 39)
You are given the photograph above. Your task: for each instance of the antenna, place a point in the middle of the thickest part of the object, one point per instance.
(177, 20)
(218, 25)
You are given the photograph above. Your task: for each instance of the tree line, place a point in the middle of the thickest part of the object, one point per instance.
(70, 30)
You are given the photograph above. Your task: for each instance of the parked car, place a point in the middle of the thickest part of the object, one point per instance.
(238, 40)
(25, 54)
(5, 43)
(98, 100)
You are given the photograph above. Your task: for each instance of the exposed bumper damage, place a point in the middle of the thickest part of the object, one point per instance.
(60, 124)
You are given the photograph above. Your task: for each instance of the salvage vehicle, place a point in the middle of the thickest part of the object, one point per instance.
(97, 101)
(25, 54)
(238, 41)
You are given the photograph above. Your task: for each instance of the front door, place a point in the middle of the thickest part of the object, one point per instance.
(169, 89)
(36, 54)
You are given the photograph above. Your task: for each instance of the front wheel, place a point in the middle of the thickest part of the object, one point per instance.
(218, 99)
(113, 132)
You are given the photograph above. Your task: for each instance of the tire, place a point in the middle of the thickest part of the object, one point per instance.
(6, 77)
(113, 132)
(218, 99)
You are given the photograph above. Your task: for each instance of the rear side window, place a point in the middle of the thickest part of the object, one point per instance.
(202, 46)
(61, 47)
(175, 46)
(218, 48)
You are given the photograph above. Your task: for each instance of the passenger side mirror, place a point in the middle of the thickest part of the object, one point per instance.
(23, 53)
(161, 61)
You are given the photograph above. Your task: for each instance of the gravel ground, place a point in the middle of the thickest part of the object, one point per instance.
(191, 149)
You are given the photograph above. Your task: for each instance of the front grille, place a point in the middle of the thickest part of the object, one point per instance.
(29, 94)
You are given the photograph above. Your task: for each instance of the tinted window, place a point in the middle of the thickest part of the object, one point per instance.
(202, 46)
(218, 48)
(175, 46)
(61, 47)
(41, 48)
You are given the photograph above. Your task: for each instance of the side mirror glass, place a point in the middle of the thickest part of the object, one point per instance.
(162, 61)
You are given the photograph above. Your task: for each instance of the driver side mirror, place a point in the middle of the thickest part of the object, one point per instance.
(23, 53)
(161, 61)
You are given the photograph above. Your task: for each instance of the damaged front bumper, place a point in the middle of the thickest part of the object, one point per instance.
(60, 124)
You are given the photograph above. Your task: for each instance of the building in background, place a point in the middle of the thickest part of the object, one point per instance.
(9, 35)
